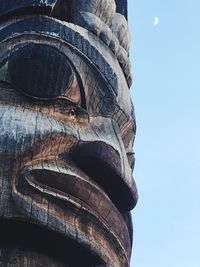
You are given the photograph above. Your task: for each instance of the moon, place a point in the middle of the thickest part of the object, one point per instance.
(156, 21)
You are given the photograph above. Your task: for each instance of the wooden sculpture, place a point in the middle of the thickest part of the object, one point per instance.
(67, 129)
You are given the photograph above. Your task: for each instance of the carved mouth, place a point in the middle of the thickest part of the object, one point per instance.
(67, 184)
(77, 189)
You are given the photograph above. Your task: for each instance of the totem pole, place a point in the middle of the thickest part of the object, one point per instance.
(67, 129)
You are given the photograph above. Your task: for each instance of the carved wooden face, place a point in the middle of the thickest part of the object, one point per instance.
(67, 130)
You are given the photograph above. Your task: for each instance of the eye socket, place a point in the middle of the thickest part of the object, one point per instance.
(72, 113)
(41, 71)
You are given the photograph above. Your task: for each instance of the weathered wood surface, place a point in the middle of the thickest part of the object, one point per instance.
(67, 129)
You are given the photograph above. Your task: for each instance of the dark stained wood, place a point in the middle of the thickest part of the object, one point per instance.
(18, 257)
(39, 247)
(67, 128)
(26, 70)
(14, 7)
(122, 7)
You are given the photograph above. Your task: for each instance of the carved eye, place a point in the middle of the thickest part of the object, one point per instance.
(43, 72)
(72, 113)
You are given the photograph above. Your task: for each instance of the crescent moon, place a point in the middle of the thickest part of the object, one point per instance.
(156, 21)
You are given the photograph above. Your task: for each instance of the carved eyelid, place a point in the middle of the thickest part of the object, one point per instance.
(26, 68)
(74, 92)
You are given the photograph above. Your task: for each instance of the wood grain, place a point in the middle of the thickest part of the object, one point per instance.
(67, 128)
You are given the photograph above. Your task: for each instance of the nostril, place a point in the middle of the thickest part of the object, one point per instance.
(103, 164)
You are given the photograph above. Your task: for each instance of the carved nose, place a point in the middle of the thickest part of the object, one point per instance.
(103, 164)
(40, 71)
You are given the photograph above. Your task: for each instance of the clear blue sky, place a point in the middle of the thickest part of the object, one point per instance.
(166, 94)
